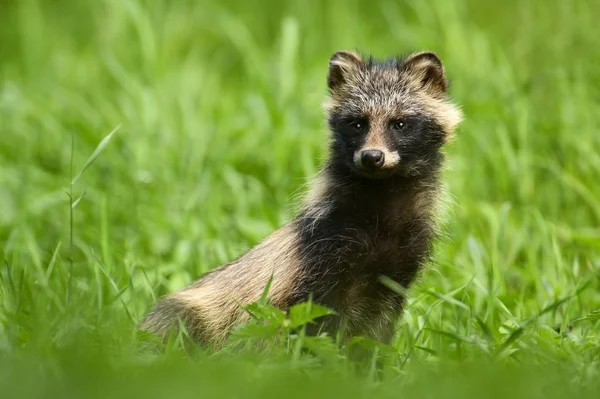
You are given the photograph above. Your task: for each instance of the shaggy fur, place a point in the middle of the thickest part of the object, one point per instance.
(371, 212)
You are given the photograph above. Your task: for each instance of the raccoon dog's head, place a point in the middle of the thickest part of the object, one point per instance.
(391, 117)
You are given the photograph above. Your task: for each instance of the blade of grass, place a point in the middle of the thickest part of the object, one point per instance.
(95, 154)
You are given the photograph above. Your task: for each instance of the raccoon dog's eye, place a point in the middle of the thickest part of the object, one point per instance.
(399, 125)
(358, 125)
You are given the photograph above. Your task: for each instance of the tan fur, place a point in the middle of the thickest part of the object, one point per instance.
(316, 203)
(447, 115)
(347, 60)
(318, 192)
(213, 303)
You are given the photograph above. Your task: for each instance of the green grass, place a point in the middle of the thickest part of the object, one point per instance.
(221, 128)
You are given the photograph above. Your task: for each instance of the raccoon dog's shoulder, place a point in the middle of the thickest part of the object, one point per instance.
(371, 211)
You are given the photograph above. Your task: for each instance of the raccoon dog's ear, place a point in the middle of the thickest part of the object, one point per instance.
(426, 72)
(343, 65)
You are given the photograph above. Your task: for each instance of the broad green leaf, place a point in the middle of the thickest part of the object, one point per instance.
(266, 312)
(307, 312)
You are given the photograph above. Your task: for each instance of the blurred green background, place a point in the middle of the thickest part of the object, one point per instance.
(221, 129)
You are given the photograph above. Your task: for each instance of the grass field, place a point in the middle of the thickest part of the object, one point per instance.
(218, 109)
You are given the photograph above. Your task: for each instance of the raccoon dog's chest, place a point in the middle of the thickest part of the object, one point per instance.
(346, 257)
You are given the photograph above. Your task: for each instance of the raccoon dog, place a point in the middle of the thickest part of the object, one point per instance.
(371, 211)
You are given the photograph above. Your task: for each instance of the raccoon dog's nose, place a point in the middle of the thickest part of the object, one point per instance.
(372, 159)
